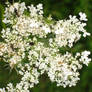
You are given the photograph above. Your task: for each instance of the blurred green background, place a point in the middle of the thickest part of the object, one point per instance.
(59, 9)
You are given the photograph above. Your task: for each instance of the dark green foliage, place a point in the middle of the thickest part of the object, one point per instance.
(60, 9)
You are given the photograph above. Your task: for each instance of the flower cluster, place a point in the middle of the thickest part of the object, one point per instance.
(31, 45)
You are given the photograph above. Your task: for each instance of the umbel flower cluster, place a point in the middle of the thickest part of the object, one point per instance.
(31, 44)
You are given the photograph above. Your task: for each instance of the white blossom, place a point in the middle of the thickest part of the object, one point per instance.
(31, 45)
(83, 16)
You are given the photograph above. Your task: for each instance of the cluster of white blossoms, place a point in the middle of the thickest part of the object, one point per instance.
(31, 45)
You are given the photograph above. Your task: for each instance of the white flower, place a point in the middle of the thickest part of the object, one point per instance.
(2, 90)
(16, 5)
(46, 29)
(84, 57)
(59, 31)
(6, 21)
(33, 46)
(39, 6)
(83, 16)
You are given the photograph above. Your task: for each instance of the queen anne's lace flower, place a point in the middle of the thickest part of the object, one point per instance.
(31, 45)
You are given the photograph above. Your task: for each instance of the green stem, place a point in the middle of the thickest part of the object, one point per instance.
(13, 1)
